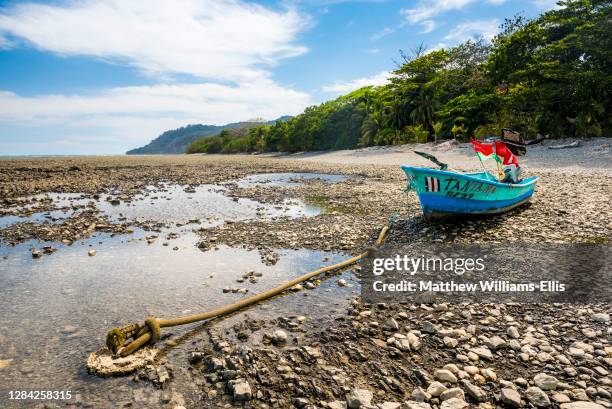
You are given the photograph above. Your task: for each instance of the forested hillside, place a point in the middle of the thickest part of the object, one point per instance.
(177, 140)
(549, 75)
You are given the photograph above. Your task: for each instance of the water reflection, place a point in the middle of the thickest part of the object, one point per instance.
(287, 179)
(56, 309)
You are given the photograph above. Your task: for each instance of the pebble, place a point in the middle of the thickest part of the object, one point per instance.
(474, 391)
(513, 332)
(489, 374)
(450, 342)
(279, 337)
(419, 395)
(510, 397)
(537, 397)
(454, 403)
(482, 352)
(545, 382)
(91, 253)
(452, 393)
(359, 398)
(560, 398)
(241, 390)
(601, 317)
(495, 343)
(444, 375)
(4, 363)
(435, 389)
(342, 282)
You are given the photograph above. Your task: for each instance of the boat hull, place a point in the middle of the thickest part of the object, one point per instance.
(443, 193)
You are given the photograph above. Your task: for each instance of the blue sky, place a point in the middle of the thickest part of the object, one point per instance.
(101, 77)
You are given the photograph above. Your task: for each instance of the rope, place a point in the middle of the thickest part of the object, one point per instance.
(150, 332)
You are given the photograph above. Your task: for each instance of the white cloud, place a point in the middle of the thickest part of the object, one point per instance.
(127, 117)
(381, 78)
(382, 33)
(425, 11)
(474, 30)
(209, 102)
(437, 47)
(428, 26)
(226, 46)
(220, 39)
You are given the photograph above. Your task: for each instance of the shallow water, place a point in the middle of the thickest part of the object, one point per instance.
(57, 309)
(54, 216)
(204, 204)
(287, 179)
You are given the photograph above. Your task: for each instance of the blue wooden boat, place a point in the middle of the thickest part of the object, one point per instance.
(444, 193)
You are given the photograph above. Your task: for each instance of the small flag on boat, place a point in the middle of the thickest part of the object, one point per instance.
(432, 184)
(497, 150)
(485, 151)
(505, 154)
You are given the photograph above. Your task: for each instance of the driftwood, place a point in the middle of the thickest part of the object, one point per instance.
(567, 145)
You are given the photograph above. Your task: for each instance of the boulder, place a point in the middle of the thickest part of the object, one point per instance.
(545, 382)
(537, 397)
(359, 398)
(510, 397)
(444, 375)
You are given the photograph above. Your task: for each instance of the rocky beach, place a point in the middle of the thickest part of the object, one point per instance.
(104, 236)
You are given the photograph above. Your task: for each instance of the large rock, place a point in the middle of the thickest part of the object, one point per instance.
(537, 397)
(444, 375)
(482, 352)
(545, 382)
(359, 398)
(510, 397)
(435, 389)
(391, 324)
(601, 317)
(452, 393)
(474, 391)
(279, 337)
(454, 403)
(415, 342)
(513, 332)
(496, 343)
(241, 390)
(419, 395)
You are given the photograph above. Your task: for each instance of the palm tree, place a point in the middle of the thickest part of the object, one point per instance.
(370, 127)
(423, 111)
(437, 128)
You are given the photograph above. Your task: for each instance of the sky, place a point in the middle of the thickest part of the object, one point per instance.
(105, 76)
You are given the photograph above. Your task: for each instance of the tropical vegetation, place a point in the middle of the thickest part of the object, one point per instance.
(549, 75)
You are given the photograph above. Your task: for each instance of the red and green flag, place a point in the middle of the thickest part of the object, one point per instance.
(497, 150)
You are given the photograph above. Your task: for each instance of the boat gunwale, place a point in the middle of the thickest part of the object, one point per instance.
(525, 183)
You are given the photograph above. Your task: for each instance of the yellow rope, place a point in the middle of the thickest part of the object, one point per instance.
(149, 332)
